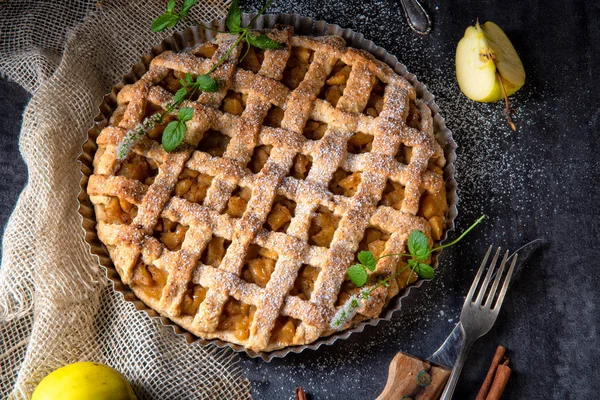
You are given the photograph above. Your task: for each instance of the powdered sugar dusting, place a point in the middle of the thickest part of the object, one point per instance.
(494, 166)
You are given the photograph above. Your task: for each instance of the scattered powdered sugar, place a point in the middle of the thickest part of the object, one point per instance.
(498, 172)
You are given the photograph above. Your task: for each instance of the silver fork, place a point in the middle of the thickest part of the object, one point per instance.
(477, 317)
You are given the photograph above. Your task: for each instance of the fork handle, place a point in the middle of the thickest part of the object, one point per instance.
(414, 378)
(455, 374)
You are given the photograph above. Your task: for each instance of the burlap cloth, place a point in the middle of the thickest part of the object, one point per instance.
(56, 306)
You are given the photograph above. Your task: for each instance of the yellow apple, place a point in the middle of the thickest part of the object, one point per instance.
(84, 381)
(485, 61)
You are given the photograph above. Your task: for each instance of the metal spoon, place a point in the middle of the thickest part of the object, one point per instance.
(417, 18)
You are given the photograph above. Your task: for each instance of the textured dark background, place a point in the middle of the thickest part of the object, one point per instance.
(540, 181)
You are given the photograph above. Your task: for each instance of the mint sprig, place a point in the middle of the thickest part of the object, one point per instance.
(419, 251)
(175, 131)
(170, 18)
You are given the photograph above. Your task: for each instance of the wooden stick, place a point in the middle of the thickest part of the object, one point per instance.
(300, 394)
(487, 383)
(500, 381)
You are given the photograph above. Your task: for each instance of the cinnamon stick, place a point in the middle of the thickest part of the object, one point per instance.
(500, 381)
(300, 394)
(499, 357)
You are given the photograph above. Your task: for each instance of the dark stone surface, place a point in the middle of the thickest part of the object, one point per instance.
(13, 172)
(540, 181)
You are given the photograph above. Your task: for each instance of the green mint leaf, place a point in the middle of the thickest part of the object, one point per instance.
(206, 83)
(411, 262)
(418, 245)
(367, 259)
(425, 271)
(189, 79)
(185, 114)
(167, 20)
(180, 95)
(234, 17)
(358, 275)
(263, 42)
(173, 135)
(171, 6)
(187, 5)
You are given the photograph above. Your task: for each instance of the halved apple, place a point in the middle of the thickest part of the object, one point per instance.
(487, 64)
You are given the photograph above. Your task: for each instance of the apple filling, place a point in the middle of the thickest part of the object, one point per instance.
(214, 143)
(393, 195)
(344, 183)
(237, 317)
(237, 203)
(234, 103)
(314, 130)
(297, 66)
(375, 102)
(305, 282)
(150, 279)
(301, 166)
(274, 117)
(322, 227)
(360, 143)
(116, 211)
(259, 158)
(206, 50)
(284, 330)
(335, 84)
(281, 214)
(170, 233)
(192, 299)
(434, 208)
(192, 185)
(139, 168)
(253, 58)
(259, 265)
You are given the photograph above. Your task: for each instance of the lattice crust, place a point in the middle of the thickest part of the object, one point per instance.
(305, 155)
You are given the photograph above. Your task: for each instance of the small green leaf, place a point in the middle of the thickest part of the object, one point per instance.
(206, 83)
(418, 245)
(358, 275)
(383, 282)
(167, 20)
(171, 6)
(234, 17)
(180, 95)
(425, 271)
(367, 259)
(411, 262)
(264, 42)
(187, 5)
(189, 79)
(185, 114)
(173, 135)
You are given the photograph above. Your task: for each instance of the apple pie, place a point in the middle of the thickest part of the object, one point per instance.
(306, 155)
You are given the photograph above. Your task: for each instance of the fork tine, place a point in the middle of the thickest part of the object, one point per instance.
(488, 276)
(490, 298)
(478, 277)
(505, 284)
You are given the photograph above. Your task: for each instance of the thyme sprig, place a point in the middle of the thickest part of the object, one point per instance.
(419, 251)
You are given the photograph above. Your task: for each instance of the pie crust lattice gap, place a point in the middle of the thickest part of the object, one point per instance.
(305, 155)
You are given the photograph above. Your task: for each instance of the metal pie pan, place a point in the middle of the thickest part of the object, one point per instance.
(193, 36)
